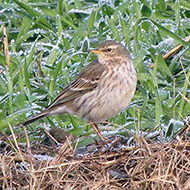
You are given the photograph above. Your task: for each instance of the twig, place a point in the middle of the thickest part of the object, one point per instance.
(184, 129)
(184, 97)
(62, 151)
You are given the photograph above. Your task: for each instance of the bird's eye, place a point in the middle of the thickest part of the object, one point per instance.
(109, 49)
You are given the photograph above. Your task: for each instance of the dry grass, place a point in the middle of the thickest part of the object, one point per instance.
(147, 165)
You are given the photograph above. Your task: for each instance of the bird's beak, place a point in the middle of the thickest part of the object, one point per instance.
(97, 51)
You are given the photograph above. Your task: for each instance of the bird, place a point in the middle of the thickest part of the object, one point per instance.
(101, 90)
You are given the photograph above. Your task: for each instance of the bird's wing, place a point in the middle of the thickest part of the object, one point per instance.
(86, 81)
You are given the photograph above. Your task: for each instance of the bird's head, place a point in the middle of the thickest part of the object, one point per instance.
(110, 50)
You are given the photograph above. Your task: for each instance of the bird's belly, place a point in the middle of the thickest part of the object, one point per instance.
(106, 101)
(111, 104)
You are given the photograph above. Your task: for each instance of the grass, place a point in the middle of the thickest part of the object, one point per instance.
(48, 43)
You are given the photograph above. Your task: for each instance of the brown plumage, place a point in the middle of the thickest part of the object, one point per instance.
(101, 90)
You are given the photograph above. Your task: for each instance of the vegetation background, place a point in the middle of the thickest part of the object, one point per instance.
(48, 43)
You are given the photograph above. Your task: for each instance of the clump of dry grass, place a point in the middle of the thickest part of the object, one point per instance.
(148, 165)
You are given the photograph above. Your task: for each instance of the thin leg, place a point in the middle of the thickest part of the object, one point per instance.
(98, 132)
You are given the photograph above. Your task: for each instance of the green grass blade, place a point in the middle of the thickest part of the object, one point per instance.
(177, 10)
(26, 25)
(158, 108)
(52, 56)
(10, 91)
(31, 55)
(115, 33)
(161, 28)
(184, 4)
(61, 7)
(55, 74)
(21, 82)
(59, 25)
(26, 76)
(73, 121)
(143, 107)
(34, 13)
(91, 21)
(184, 92)
(64, 20)
(49, 12)
(163, 66)
(125, 32)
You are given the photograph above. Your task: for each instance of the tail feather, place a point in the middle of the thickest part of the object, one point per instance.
(35, 118)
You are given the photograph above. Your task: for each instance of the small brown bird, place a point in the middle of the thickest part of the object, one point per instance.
(101, 90)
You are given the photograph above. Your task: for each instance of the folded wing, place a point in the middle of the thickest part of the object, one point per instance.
(86, 81)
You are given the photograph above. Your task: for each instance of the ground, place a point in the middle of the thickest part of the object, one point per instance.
(136, 164)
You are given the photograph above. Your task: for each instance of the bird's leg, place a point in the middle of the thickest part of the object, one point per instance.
(98, 132)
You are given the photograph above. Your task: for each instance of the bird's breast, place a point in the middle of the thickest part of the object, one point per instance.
(113, 93)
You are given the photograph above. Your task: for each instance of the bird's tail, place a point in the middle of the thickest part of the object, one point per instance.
(35, 118)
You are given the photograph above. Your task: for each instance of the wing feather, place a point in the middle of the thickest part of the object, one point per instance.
(86, 81)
